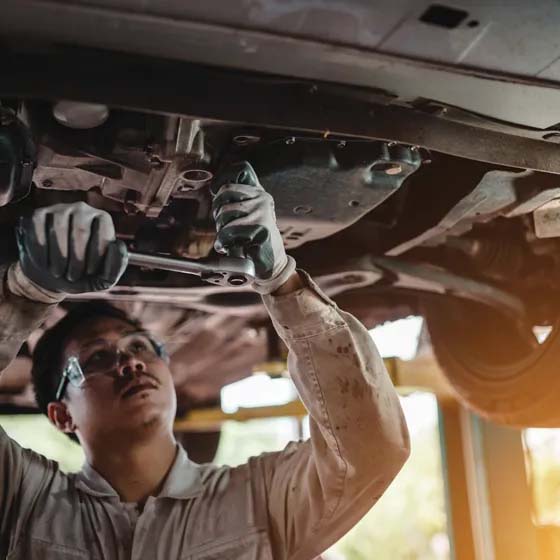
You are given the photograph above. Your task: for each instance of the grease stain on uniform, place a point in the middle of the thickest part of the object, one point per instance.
(358, 390)
(343, 349)
(344, 384)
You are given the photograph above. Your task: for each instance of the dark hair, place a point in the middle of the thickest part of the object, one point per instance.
(48, 354)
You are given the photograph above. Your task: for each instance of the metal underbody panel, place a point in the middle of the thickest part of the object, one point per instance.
(331, 111)
(380, 128)
(499, 59)
(499, 193)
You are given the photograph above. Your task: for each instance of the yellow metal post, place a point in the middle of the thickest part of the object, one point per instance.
(455, 477)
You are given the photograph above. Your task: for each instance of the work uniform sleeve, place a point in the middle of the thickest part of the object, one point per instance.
(317, 490)
(19, 317)
(25, 476)
(20, 470)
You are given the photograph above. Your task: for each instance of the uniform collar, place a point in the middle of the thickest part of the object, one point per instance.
(183, 481)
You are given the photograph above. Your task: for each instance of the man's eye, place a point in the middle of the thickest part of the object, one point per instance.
(138, 346)
(98, 359)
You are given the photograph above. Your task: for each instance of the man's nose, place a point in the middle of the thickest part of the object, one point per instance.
(130, 365)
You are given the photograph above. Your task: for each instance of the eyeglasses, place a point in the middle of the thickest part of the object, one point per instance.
(102, 357)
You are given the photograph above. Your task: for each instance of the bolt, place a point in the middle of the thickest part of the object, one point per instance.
(129, 206)
(130, 209)
(237, 280)
(193, 179)
(391, 144)
(387, 167)
(246, 139)
(341, 144)
(290, 140)
(302, 210)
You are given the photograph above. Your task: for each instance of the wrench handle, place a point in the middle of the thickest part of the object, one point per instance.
(224, 271)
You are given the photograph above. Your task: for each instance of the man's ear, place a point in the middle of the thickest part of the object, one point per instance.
(60, 416)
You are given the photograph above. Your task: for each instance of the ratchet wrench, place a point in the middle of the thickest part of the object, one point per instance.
(231, 270)
(223, 271)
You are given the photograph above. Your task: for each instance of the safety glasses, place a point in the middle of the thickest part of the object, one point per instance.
(102, 357)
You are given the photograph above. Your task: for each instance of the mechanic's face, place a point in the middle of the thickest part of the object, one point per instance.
(133, 399)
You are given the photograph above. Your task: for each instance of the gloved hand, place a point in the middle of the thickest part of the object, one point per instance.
(66, 249)
(244, 216)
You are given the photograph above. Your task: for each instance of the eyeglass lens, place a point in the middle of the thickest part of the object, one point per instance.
(104, 357)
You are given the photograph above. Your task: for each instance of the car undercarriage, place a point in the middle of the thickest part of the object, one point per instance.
(396, 204)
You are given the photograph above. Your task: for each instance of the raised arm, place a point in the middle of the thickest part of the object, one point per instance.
(63, 249)
(317, 490)
(314, 492)
(68, 248)
(19, 317)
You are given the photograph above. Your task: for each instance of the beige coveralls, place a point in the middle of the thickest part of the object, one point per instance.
(288, 505)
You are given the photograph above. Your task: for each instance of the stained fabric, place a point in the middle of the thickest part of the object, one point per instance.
(291, 504)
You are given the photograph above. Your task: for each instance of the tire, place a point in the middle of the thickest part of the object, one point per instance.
(497, 368)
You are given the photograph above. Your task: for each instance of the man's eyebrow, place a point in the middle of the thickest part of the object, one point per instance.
(136, 331)
(95, 341)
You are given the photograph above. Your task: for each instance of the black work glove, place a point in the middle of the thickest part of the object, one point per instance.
(245, 221)
(66, 249)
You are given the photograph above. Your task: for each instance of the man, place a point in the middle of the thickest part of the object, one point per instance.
(108, 383)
